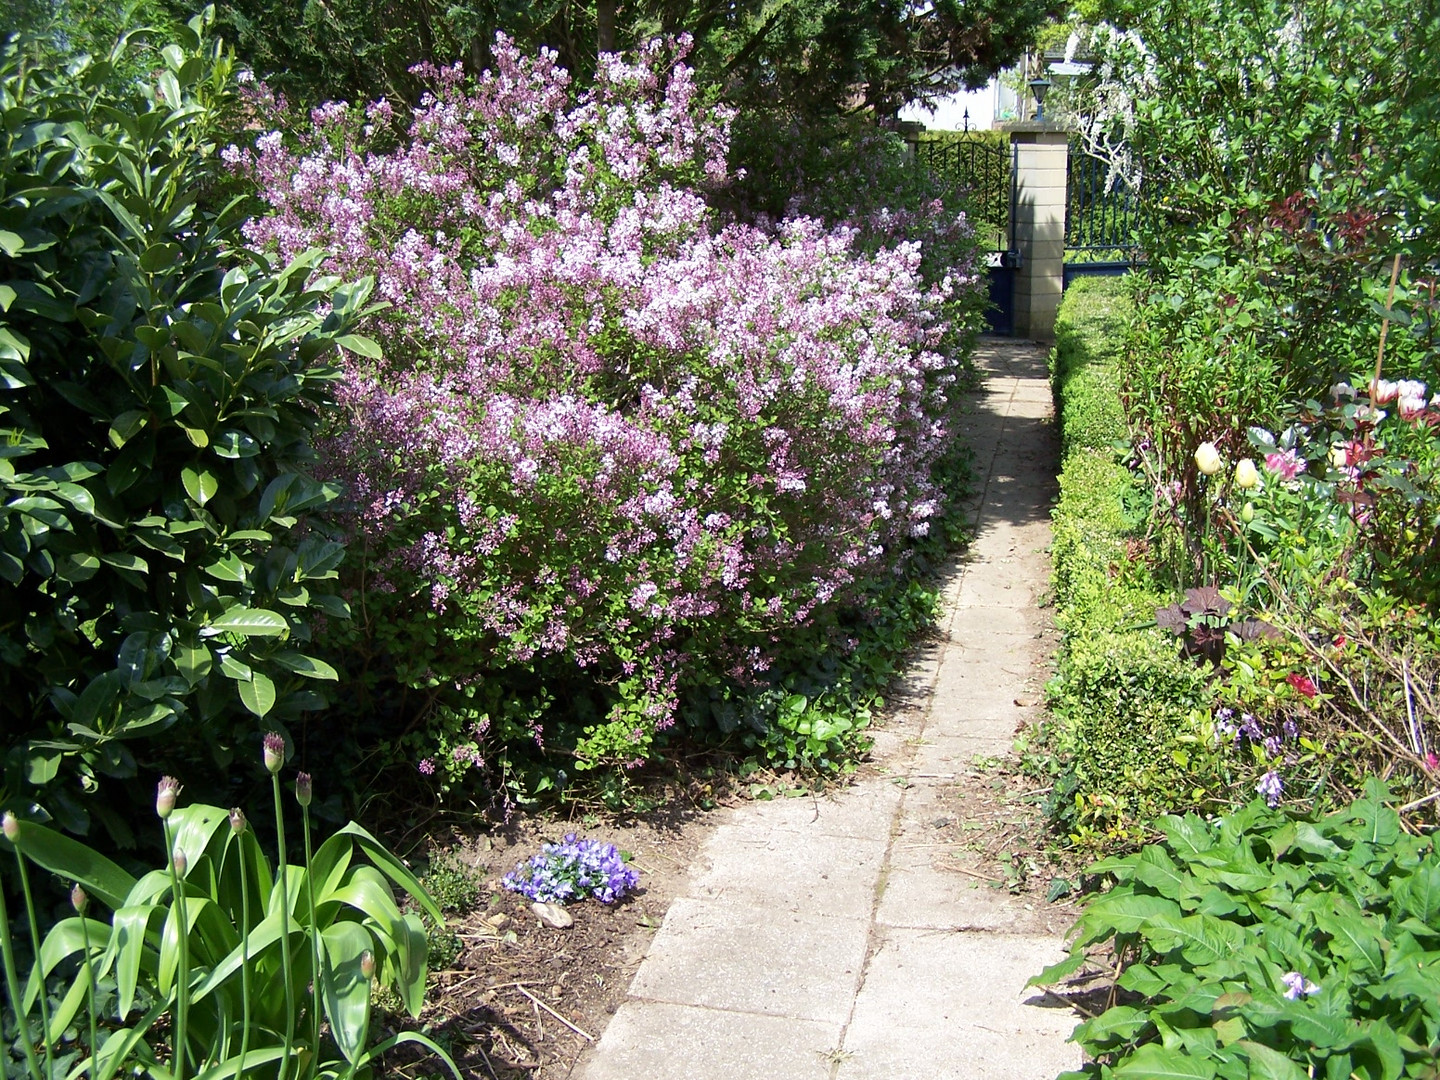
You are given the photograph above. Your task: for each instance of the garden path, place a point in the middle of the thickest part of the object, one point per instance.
(842, 938)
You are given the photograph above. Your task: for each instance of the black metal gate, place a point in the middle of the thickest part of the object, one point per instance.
(985, 170)
(1102, 218)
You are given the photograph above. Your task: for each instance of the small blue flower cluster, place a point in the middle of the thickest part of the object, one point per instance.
(573, 870)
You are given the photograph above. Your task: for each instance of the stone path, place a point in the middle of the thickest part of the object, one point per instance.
(833, 938)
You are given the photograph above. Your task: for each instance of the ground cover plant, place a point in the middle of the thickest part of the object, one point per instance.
(607, 451)
(1262, 944)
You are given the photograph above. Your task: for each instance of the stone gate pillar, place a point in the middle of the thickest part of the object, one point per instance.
(1041, 152)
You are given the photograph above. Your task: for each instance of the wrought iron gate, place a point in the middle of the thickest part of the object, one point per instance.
(1102, 218)
(986, 171)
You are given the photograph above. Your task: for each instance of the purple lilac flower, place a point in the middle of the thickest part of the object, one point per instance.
(1272, 745)
(1290, 729)
(573, 870)
(1271, 787)
(1297, 986)
(1249, 727)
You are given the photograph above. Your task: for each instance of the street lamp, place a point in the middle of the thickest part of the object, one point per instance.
(1039, 87)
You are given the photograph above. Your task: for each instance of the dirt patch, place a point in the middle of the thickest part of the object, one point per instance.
(519, 998)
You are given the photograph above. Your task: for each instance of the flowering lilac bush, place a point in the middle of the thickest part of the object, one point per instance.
(573, 870)
(608, 443)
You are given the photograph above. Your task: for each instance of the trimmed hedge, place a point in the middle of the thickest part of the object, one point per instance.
(1122, 694)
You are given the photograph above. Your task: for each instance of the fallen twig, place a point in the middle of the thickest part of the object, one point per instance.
(556, 1015)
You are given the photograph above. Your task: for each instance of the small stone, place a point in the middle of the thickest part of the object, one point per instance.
(499, 920)
(553, 915)
(941, 822)
(1024, 703)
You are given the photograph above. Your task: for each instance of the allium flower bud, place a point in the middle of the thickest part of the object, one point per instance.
(10, 825)
(367, 964)
(78, 899)
(1246, 475)
(303, 789)
(274, 751)
(1247, 514)
(165, 795)
(237, 821)
(1207, 459)
(181, 862)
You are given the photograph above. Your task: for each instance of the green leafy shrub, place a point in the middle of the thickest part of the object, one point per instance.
(159, 386)
(1117, 748)
(1261, 945)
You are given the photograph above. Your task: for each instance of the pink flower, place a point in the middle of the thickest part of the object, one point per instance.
(1286, 464)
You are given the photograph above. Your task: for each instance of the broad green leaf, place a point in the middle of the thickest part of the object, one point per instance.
(1153, 1062)
(258, 695)
(201, 485)
(1353, 935)
(344, 988)
(358, 343)
(1189, 836)
(1267, 1063)
(1058, 971)
(1144, 980)
(1202, 939)
(308, 666)
(1158, 870)
(393, 868)
(124, 561)
(255, 622)
(1420, 893)
(73, 861)
(414, 955)
(1119, 1024)
(1123, 913)
(127, 943)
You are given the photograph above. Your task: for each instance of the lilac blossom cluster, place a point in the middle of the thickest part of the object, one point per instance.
(605, 429)
(573, 870)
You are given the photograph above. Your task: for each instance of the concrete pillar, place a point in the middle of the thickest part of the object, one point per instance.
(1041, 153)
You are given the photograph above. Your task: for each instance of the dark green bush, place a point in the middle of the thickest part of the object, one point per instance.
(158, 390)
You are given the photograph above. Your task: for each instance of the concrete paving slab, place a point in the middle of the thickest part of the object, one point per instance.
(863, 810)
(952, 1006)
(924, 891)
(823, 874)
(655, 1041)
(725, 955)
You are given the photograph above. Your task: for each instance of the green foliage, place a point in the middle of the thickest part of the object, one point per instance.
(816, 57)
(208, 955)
(1265, 946)
(158, 390)
(1122, 699)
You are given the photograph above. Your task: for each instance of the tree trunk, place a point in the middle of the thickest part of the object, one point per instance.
(605, 25)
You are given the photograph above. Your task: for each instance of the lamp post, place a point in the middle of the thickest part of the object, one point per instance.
(1039, 87)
